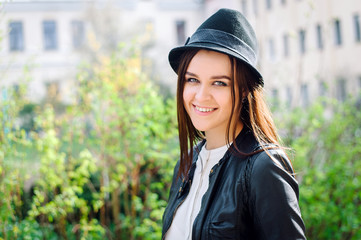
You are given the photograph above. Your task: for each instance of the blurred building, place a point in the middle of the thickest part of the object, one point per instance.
(52, 38)
(308, 48)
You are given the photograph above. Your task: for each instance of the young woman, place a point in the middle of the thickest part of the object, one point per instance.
(237, 183)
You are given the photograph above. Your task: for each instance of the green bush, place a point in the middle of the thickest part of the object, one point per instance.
(327, 146)
(104, 166)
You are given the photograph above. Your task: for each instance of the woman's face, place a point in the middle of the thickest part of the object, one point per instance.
(207, 92)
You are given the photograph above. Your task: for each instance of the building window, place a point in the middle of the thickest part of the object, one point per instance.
(341, 90)
(78, 33)
(302, 41)
(244, 7)
(356, 20)
(50, 36)
(304, 95)
(319, 36)
(285, 45)
(338, 37)
(16, 36)
(271, 48)
(322, 88)
(181, 35)
(255, 7)
(268, 4)
(275, 97)
(289, 96)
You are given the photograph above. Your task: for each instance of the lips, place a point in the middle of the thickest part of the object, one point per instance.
(203, 109)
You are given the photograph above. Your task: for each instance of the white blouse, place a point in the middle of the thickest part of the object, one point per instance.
(181, 227)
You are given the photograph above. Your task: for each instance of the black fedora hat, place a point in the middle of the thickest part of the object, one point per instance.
(226, 31)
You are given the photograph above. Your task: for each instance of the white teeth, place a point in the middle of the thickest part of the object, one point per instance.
(204, 109)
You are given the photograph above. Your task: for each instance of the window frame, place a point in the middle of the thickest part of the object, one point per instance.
(181, 31)
(302, 41)
(319, 36)
(268, 4)
(16, 36)
(50, 36)
(286, 45)
(357, 27)
(337, 32)
(305, 95)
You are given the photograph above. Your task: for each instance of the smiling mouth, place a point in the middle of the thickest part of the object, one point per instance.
(204, 109)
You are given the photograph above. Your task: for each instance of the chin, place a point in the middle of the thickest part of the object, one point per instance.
(200, 128)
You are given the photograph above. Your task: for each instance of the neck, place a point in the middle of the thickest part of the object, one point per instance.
(214, 139)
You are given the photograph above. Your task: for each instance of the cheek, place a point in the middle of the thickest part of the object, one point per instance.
(225, 100)
(187, 95)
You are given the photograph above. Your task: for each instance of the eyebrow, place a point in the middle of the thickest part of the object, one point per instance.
(213, 77)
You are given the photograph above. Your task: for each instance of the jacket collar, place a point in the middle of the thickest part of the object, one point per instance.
(245, 142)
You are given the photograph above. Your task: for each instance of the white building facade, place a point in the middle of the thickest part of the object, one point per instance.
(307, 48)
(50, 38)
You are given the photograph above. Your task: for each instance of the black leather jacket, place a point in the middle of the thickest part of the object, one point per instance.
(249, 197)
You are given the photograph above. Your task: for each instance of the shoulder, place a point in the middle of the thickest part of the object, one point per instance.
(273, 196)
(275, 158)
(271, 170)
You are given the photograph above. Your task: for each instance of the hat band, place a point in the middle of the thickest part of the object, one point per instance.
(225, 40)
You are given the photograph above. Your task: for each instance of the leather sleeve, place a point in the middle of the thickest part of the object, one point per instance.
(166, 219)
(273, 198)
(174, 180)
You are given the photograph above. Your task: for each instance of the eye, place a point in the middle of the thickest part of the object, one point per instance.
(220, 83)
(191, 80)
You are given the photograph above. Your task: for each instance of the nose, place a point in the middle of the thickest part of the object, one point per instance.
(203, 93)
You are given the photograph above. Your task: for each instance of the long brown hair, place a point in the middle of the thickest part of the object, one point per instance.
(251, 109)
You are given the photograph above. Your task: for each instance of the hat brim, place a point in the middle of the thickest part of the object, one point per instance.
(176, 53)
